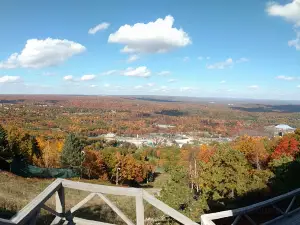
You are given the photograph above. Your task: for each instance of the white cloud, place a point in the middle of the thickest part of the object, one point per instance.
(151, 84)
(106, 85)
(161, 89)
(141, 71)
(10, 79)
(132, 58)
(296, 42)
(298, 86)
(93, 85)
(43, 53)
(172, 80)
(99, 27)
(200, 58)
(68, 78)
(186, 58)
(138, 87)
(154, 37)
(109, 72)
(88, 77)
(221, 65)
(285, 78)
(253, 87)
(223, 82)
(227, 63)
(207, 57)
(182, 89)
(289, 11)
(164, 73)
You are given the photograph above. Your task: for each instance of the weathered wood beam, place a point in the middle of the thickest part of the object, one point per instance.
(101, 188)
(115, 209)
(81, 203)
(31, 208)
(89, 222)
(57, 221)
(250, 208)
(6, 222)
(52, 211)
(167, 209)
(139, 207)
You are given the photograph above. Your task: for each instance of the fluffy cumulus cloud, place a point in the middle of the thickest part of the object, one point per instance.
(296, 42)
(227, 63)
(88, 77)
(141, 71)
(164, 73)
(289, 11)
(285, 78)
(68, 78)
(154, 37)
(43, 53)
(9, 79)
(99, 27)
(132, 58)
(93, 85)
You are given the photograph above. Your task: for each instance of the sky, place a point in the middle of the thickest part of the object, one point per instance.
(215, 48)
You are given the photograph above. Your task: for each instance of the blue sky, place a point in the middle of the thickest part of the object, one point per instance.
(240, 49)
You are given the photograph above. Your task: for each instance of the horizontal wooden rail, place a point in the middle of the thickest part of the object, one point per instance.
(101, 188)
(29, 214)
(207, 219)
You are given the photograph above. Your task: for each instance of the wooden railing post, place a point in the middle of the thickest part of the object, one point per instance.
(34, 218)
(139, 209)
(60, 200)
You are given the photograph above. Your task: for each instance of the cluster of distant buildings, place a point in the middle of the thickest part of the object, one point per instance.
(280, 129)
(162, 139)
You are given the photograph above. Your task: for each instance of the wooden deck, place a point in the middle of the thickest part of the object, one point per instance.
(29, 214)
(293, 219)
(290, 215)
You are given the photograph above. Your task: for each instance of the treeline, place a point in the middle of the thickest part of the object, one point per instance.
(112, 161)
(223, 176)
(202, 178)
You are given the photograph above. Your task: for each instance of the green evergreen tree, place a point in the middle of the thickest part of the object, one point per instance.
(72, 155)
(4, 148)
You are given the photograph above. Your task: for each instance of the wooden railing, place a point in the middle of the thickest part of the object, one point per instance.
(30, 213)
(207, 219)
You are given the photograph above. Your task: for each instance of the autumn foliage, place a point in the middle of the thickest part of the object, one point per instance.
(287, 146)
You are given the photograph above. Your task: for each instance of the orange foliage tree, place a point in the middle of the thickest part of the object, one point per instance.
(287, 146)
(254, 150)
(94, 165)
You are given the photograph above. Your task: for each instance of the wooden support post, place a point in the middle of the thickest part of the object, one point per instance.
(34, 218)
(139, 210)
(60, 201)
